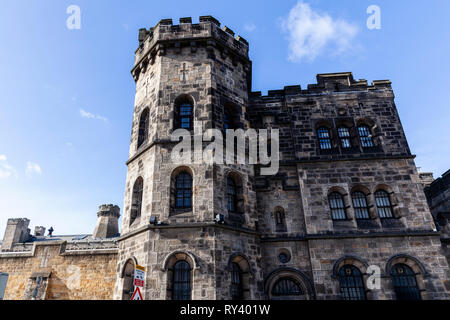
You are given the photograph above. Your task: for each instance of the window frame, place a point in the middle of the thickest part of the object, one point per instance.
(351, 286)
(182, 283)
(358, 207)
(186, 191)
(338, 216)
(365, 136)
(325, 142)
(382, 208)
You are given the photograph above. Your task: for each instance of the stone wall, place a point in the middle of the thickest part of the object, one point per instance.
(73, 274)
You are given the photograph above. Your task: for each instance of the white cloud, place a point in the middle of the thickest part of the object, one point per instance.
(6, 170)
(249, 27)
(89, 115)
(33, 169)
(311, 33)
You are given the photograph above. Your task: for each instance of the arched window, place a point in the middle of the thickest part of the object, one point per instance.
(351, 283)
(344, 137)
(384, 206)
(181, 289)
(405, 283)
(231, 195)
(286, 287)
(136, 201)
(324, 138)
(183, 191)
(360, 205)
(128, 280)
(184, 114)
(237, 292)
(143, 127)
(365, 136)
(337, 206)
(280, 220)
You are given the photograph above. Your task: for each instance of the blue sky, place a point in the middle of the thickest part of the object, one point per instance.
(66, 96)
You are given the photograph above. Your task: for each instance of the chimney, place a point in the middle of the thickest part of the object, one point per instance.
(16, 231)
(39, 231)
(108, 222)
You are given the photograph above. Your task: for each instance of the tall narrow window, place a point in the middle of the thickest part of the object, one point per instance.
(181, 281)
(280, 220)
(184, 114)
(360, 205)
(286, 287)
(344, 137)
(143, 128)
(365, 136)
(183, 191)
(237, 292)
(337, 206)
(324, 138)
(136, 200)
(405, 283)
(231, 195)
(351, 283)
(227, 120)
(128, 280)
(384, 206)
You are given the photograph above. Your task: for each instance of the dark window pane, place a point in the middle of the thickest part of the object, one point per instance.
(286, 287)
(365, 137)
(231, 195)
(185, 116)
(384, 206)
(181, 281)
(337, 207)
(344, 136)
(351, 283)
(324, 138)
(236, 282)
(360, 205)
(183, 192)
(136, 200)
(405, 283)
(143, 127)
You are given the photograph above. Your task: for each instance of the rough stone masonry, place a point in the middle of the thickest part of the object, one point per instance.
(347, 197)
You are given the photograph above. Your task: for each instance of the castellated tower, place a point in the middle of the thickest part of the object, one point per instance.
(188, 75)
(346, 203)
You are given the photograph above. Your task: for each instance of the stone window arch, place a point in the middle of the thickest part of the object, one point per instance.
(408, 277)
(184, 112)
(143, 127)
(136, 200)
(240, 273)
(128, 279)
(351, 283)
(181, 191)
(351, 275)
(288, 284)
(180, 267)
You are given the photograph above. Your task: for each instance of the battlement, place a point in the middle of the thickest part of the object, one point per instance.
(328, 83)
(208, 32)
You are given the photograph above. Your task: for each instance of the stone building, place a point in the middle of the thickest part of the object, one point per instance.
(53, 267)
(438, 196)
(346, 206)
